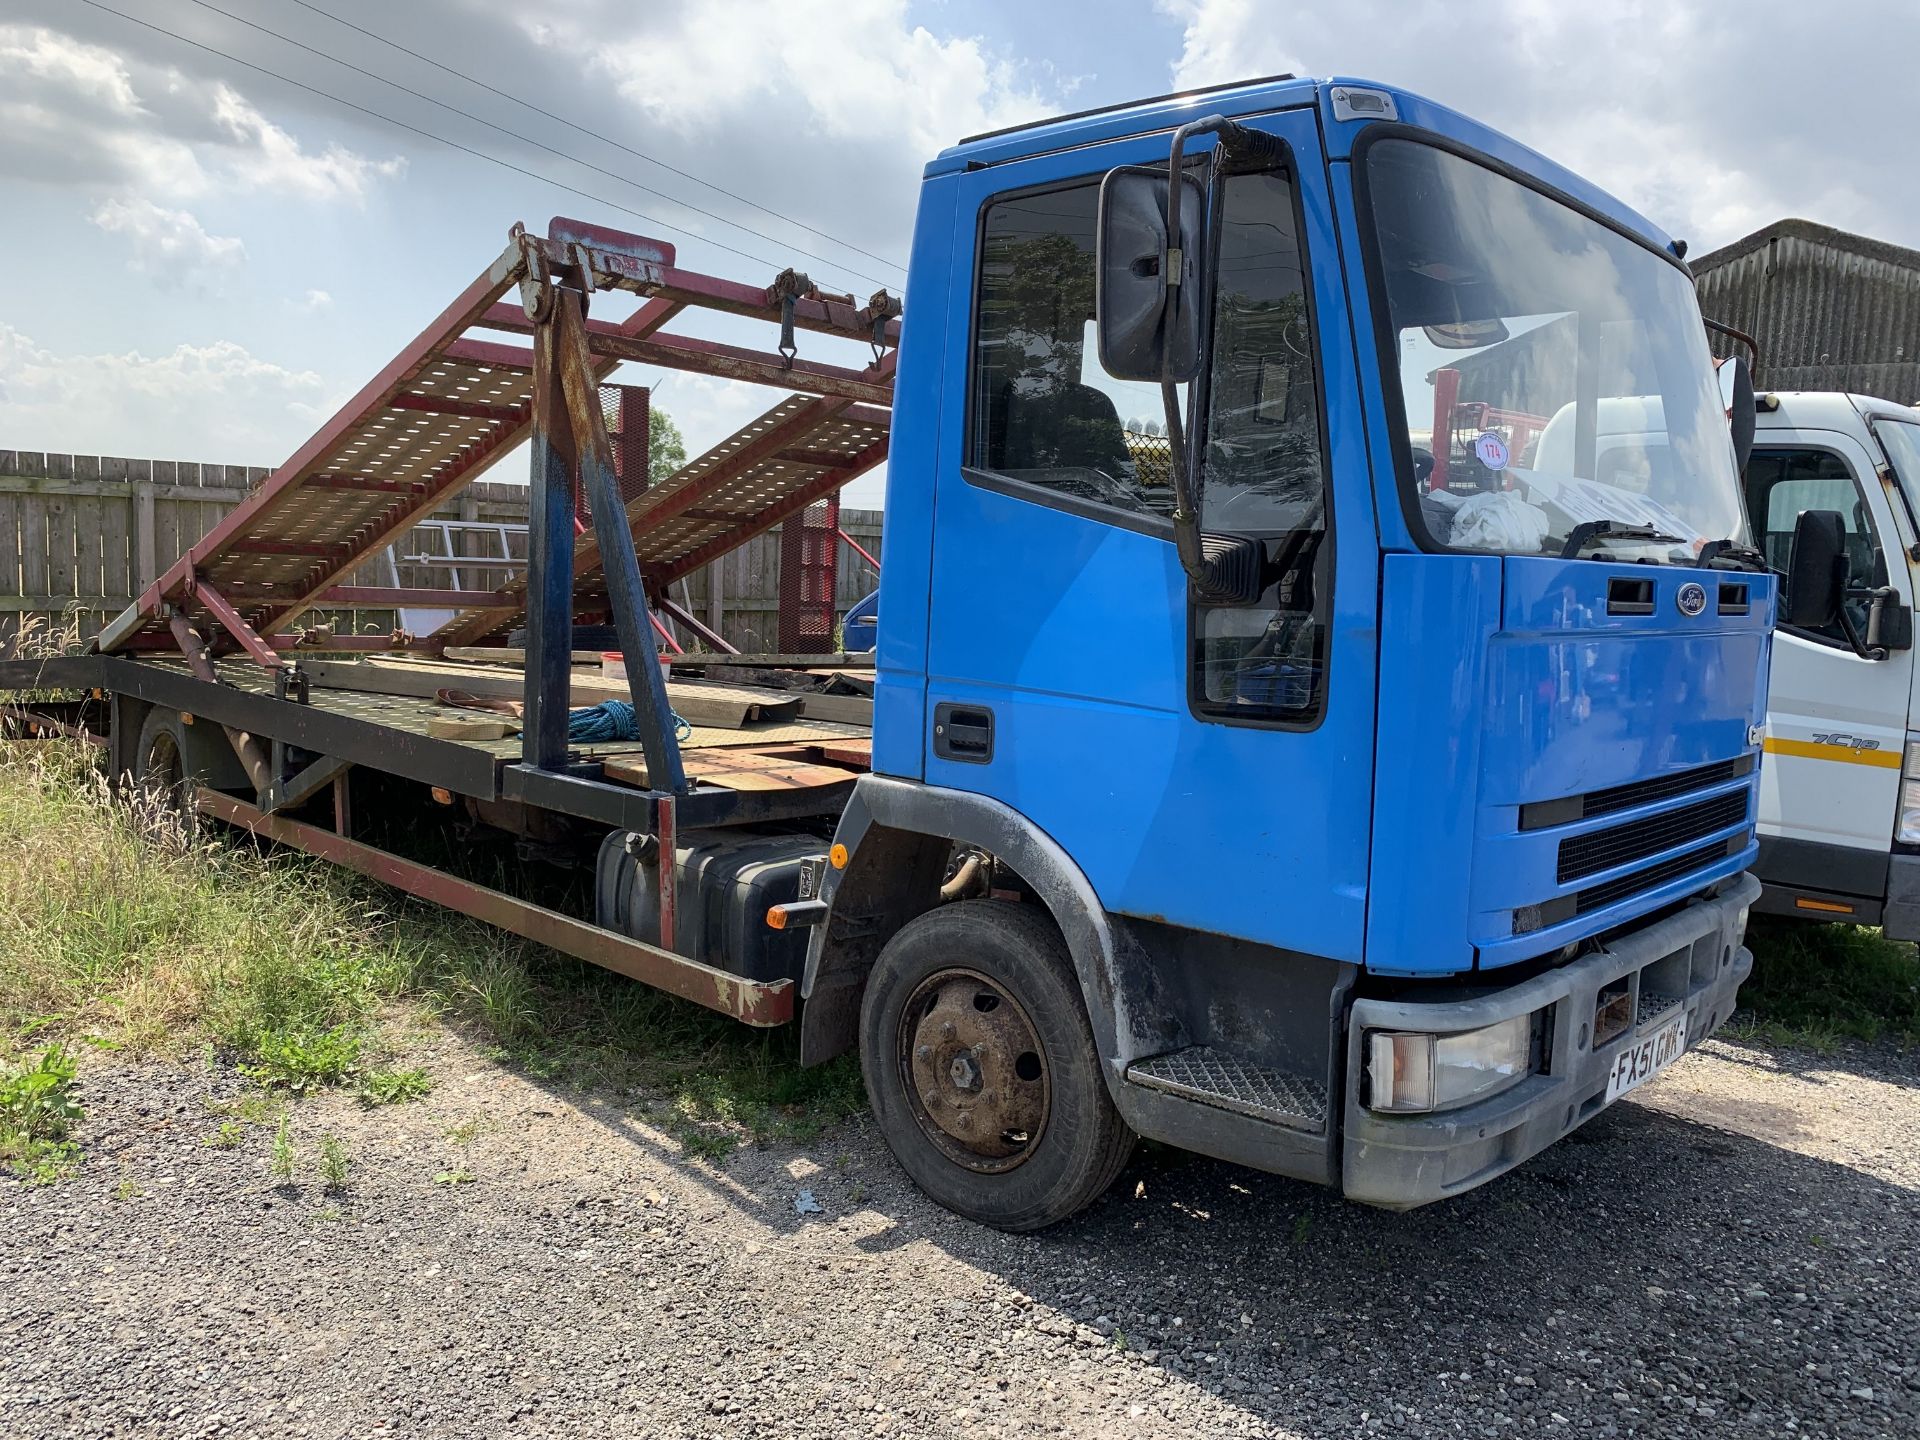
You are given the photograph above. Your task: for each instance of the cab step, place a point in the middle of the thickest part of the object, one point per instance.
(1214, 1077)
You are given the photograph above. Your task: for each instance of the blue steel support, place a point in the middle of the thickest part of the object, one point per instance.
(620, 568)
(543, 738)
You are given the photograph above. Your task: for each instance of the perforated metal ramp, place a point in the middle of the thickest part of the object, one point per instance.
(801, 450)
(453, 402)
(1213, 1077)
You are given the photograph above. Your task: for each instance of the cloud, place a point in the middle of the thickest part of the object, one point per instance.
(268, 157)
(315, 302)
(825, 110)
(170, 245)
(1711, 126)
(216, 402)
(76, 113)
(851, 68)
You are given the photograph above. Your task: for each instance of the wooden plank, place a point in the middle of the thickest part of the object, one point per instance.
(9, 545)
(735, 770)
(60, 570)
(89, 519)
(508, 655)
(33, 546)
(168, 546)
(33, 485)
(726, 706)
(845, 709)
(116, 545)
(835, 660)
(857, 753)
(145, 563)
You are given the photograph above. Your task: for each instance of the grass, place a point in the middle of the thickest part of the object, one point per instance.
(394, 1087)
(281, 1156)
(124, 932)
(335, 1162)
(37, 1115)
(1816, 986)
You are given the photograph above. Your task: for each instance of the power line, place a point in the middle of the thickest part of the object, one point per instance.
(595, 134)
(523, 139)
(428, 134)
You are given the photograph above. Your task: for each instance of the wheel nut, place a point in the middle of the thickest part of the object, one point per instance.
(923, 1052)
(966, 1073)
(946, 1030)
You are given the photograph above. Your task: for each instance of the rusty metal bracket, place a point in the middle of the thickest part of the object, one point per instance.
(536, 282)
(253, 755)
(231, 620)
(881, 309)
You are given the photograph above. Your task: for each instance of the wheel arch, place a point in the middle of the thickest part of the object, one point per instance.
(898, 835)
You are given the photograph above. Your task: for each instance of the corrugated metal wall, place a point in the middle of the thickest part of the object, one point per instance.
(1828, 314)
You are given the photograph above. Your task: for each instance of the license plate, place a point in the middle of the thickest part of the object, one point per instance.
(1639, 1063)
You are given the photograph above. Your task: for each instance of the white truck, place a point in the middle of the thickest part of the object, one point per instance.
(1840, 784)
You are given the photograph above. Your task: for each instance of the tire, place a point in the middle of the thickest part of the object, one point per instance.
(982, 1070)
(160, 767)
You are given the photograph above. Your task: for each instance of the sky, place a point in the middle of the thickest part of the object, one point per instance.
(208, 260)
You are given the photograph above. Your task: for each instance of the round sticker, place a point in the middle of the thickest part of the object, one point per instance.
(1492, 450)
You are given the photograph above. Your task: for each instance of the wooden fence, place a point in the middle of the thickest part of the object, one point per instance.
(82, 535)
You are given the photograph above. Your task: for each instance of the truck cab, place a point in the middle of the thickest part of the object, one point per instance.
(1839, 793)
(1311, 782)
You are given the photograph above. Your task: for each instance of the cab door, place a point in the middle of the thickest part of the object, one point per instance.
(1205, 768)
(1836, 723)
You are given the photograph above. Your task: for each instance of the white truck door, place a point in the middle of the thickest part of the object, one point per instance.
(1836, 723)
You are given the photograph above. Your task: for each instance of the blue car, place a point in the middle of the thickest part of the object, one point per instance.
(861, 625)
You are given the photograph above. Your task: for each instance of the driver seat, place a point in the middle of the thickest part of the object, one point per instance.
(1064, 427)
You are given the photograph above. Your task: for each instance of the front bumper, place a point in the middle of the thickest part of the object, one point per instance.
(1692, 960)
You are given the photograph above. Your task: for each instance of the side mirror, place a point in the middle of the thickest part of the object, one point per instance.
(1816, 570)
(1736, 395)
(1148, 320)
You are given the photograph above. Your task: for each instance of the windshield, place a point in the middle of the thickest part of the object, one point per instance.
(1901, 440)
(1554, 373)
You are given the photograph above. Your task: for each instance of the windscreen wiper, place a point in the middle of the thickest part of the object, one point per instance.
(1731, 555)
(1588, 531)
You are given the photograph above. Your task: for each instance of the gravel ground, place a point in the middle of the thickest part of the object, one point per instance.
(1729, 1252)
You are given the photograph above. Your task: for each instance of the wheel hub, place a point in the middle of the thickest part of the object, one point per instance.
(974, 1069)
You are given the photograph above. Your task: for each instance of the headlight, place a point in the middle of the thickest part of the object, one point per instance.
(1909, 831)
(1409, 1071)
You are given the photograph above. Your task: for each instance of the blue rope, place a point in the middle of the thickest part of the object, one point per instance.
(613, 720)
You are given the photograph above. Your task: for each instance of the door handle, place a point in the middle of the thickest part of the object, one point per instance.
(963, 732)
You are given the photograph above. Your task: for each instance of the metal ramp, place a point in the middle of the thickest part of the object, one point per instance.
(457, 398)
(798, 452)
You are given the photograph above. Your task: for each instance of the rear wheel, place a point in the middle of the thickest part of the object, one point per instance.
(160, 771)
(982, 1069)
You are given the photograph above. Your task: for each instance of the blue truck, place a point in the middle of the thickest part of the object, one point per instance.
(1335, 773)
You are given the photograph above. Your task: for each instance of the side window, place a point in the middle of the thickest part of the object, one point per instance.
(1781, 484)
(1044, 412)
(1265, 473)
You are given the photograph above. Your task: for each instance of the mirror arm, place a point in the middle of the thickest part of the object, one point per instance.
(1239, 146)
(1876, 647)
(1861, 647)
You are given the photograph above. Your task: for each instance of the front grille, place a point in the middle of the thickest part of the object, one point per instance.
(1538, 814)
(1598, 897)
(1583, 855)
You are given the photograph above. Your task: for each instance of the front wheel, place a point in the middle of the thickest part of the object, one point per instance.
(982, 1070)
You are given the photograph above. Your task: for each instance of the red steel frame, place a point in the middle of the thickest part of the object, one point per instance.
(260, 623)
